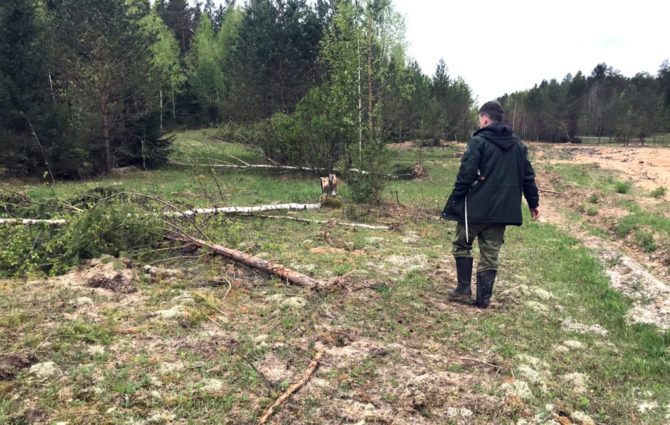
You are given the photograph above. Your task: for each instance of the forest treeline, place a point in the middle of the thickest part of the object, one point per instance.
(604, 104)
(86, 86)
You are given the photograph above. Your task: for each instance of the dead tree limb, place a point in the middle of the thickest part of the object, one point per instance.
(257, 263)
(293, 388)
(250, 166)
(284, 167)
(305, 220)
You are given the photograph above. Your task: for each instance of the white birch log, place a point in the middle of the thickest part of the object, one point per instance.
(248, 166)
(31, 221)
(226, 210)
(241, 210)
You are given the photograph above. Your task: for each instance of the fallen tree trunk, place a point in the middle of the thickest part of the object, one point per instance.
(227, 210)
(305, 220)
(251, 166)
(31, 221)
(257, 263)
(284, 167)
(259, 208)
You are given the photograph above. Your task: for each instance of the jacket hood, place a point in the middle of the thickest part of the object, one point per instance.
(499, 134)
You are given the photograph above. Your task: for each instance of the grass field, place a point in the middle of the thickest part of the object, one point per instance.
(556, 342)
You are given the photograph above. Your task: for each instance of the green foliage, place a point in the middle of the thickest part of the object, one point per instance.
(621, 187)
(367, 187)
(206, 77)
(591, 210)
(117, 229)
(646, 239)
(625, 225)
(594, 198)
(659, 192)
(274, 58)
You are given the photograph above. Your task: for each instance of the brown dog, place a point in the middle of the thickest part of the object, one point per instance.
(329, 185)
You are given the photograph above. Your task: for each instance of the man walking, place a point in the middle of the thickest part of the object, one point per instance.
(494, 173)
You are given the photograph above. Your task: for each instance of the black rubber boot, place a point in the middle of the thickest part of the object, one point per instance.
(485, 282)
(464, 276)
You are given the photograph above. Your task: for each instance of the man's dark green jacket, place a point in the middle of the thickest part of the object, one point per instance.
(494, 172)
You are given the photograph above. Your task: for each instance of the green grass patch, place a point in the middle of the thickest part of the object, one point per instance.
(621, 187)
(659, 192)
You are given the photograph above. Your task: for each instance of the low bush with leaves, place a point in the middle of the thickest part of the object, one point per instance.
(621, 187)
(117, 229)
(659, 192)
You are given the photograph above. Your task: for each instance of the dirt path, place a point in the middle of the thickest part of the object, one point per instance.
(649, 168)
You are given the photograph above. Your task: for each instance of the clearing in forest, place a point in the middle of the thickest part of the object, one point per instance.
(577, 331)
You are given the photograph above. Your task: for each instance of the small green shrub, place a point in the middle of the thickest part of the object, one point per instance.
(593, 199)
(591, 210)
(621, 187)
(104, 229)
(658, 192)
(625, 225)
(646, 239)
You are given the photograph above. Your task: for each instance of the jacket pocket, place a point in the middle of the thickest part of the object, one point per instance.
(454, 208)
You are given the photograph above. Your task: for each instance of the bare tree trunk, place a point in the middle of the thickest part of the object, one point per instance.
(370, 77)
(360, 106)
(258, 263)
(104, 110)
(174, 106)
(160, 93)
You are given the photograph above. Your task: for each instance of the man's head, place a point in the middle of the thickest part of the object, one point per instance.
(491, 112)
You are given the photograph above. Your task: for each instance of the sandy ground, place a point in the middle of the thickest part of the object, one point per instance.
(648, 167)
(626, 264)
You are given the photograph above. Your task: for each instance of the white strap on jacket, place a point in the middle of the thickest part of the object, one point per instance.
(467, 236)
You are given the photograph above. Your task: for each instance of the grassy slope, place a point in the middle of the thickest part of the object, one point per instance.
(152, 367)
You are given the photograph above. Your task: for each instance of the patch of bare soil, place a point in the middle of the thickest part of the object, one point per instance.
(115, 276)
(11, 363)
(649, 167)
(410, 384)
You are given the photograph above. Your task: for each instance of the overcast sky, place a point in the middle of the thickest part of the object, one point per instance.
(500, 47)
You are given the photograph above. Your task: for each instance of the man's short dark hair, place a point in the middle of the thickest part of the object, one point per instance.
(493, 110)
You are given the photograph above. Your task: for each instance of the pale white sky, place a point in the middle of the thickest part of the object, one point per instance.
(506, 46)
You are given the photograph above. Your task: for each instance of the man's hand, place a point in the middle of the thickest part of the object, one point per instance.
(535, 213)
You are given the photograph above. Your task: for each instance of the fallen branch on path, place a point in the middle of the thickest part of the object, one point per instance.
(305, 220)
(293, 388)
(470, 359)
(257, 263)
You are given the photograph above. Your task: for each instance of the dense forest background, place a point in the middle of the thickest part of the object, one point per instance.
(86, 86)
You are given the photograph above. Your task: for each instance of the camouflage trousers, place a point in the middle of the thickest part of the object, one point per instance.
(490, 239)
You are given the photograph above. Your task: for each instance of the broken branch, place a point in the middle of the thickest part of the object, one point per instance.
(258, 263)
(293, 388)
